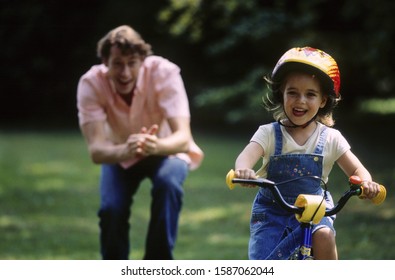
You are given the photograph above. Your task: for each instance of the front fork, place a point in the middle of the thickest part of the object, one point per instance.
(306, 242)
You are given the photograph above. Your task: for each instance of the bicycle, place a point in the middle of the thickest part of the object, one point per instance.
(308, 209)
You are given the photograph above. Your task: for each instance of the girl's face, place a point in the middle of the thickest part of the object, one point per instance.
(302, 97)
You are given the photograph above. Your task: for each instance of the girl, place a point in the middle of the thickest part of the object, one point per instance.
(305, 87)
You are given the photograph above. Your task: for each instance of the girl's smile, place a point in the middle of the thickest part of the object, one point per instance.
(298, 112)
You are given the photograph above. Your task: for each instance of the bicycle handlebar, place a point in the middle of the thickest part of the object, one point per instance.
(356, 189)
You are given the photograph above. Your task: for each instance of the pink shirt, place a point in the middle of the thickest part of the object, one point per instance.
(159, 95)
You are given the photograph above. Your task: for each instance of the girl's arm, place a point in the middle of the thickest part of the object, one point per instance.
(351, 165)
(247, 160)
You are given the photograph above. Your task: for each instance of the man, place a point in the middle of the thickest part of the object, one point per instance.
(134, 114)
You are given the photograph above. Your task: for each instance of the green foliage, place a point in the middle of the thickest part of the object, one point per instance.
(378, 106)
(219, 45)
(187, 12)
(240, 102)
(242, 36)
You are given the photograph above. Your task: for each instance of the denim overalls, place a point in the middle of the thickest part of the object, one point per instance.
(275, 233)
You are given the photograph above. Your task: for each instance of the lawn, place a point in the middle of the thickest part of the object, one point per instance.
(49, 199)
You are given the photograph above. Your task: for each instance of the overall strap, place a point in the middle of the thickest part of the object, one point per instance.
(278, 139)
(321, 141)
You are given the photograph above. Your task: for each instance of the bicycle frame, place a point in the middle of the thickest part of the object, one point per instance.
(304, 249)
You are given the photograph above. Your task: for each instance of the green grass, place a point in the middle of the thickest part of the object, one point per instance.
(49, 199)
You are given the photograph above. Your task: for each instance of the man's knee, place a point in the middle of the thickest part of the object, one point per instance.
(171, 176)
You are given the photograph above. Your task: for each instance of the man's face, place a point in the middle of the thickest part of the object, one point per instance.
(123, 70)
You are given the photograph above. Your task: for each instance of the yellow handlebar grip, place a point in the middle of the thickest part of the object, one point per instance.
(229, 178)
(381, 196)
(314, 208)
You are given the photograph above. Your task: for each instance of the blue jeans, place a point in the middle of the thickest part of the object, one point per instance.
(118, 186)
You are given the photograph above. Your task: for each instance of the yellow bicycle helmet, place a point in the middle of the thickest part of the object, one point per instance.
(313, 61)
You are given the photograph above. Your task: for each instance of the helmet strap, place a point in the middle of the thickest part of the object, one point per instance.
(296, 125)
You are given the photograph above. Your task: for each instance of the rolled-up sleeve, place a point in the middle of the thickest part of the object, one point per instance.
(172, 96)
(88, 103)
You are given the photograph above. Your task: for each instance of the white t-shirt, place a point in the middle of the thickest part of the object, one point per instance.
(335, 146)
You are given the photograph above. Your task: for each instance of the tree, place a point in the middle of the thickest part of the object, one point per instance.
(48, 45)
(242, 40)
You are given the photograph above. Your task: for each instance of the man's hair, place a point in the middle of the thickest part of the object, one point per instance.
(126, 39)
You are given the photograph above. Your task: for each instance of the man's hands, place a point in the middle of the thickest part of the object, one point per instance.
(144, 143)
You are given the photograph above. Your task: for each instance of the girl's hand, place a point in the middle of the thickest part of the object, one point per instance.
(246, 173)
(370, 189)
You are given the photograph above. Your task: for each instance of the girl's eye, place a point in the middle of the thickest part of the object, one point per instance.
(312, 94)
